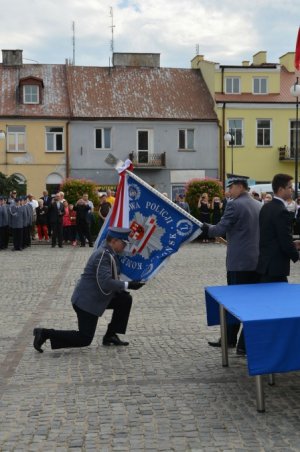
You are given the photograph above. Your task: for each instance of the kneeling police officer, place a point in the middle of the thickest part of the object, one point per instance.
(98, 289)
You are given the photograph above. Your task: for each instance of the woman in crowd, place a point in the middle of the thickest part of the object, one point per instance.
(216, 210)
(204, 213)
(103, 209)
(66, 223)
(42, 220)
(73, 228)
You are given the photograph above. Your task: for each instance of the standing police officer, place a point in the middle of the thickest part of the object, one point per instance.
(4, 232)
(240, 223)
(16, 222)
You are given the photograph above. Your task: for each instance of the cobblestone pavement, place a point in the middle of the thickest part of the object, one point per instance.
(167, 391)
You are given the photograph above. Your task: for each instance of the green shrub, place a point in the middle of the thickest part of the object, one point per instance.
(75, 188)
(195, 188)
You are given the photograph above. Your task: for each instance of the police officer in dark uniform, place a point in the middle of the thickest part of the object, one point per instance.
(4, 231)
(98, 289)
(16, 221)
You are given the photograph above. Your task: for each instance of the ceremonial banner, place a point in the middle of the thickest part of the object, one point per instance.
(158, 226)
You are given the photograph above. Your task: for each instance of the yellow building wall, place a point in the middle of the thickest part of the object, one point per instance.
(35, 164)
(247, 76)
(259, 163)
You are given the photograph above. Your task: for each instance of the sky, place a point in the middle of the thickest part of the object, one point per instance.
(224, 31)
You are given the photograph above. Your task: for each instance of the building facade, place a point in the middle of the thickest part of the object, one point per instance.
(64, 121)
(34, 115)
(162, 119)
(254, 104)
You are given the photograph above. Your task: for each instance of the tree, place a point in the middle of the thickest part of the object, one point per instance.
(9, 183)
(195, 188)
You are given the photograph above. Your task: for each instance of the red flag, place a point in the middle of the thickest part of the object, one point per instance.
(297, 53)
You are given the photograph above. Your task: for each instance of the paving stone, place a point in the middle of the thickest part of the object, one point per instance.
(167, 391)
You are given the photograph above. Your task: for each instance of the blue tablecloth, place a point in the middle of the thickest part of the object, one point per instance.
(271, 318)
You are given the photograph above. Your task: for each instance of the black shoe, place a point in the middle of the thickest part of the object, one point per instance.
(218, 344)
(39, 339)
(113, 339)
(241, 351)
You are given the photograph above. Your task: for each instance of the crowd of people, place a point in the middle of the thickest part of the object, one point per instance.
(49, 218)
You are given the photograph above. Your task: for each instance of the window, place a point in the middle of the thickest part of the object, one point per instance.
(186, 139)
(54, 139)
(144, 144)
(22, 185)
(232, 85)
(145, 140)
(31, 94)
(235, 126)
(260, 85)
(16, 139)
(263, 132)
(293, 131)
(103, 138)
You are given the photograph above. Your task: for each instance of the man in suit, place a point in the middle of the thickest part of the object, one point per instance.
(276, 245)
(56, 213)
(240, 224)
(98, 289)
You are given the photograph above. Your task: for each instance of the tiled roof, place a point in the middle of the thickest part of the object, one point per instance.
(55, 94)
(287, 79)
(139, 93)
(118, 92)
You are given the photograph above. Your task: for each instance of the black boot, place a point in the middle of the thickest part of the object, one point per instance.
(112, 339)
(40, 337)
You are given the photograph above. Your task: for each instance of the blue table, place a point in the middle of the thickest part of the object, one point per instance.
(270, 314)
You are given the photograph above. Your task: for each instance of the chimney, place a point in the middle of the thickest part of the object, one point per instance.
(246, 63)
(136, 59)
(260, 58)
(196, 60)
(12, 57)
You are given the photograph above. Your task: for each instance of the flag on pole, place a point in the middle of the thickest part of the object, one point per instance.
(158, 226)
(297, 52)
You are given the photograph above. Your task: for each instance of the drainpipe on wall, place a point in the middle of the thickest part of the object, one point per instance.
(223, 143)
(67, 151)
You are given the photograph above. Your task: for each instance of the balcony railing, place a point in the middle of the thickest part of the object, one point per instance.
(286, 153)
(146, 159)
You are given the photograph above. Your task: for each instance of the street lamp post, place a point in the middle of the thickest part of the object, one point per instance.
(295, 91)
(229, 138)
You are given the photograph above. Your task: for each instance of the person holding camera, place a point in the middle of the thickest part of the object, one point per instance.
(99, 288)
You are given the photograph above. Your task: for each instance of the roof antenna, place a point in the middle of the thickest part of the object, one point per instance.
(73, 42)
(197, 49)
(111, 13)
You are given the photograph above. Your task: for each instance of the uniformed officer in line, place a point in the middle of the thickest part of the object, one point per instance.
(4, 230)
(99, 288)
(28, 220)
(16, 222)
